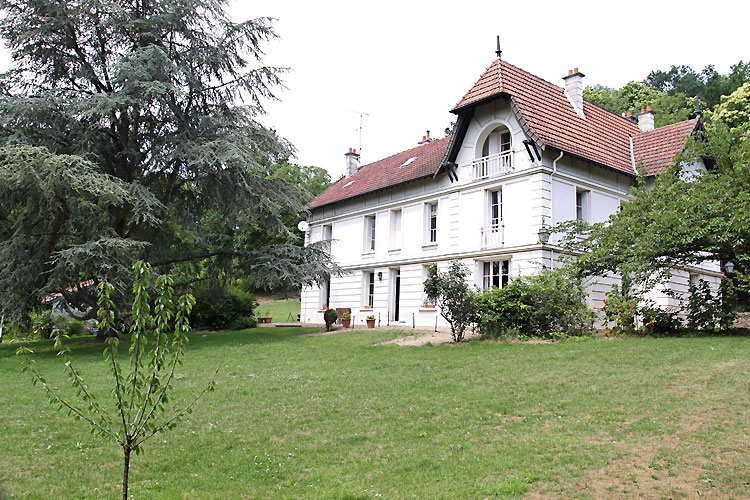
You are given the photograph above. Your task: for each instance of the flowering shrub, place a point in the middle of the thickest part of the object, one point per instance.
(658, 321)
(620, 308)
(706, 310)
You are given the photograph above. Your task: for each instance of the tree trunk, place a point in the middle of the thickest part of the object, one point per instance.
(125, 472)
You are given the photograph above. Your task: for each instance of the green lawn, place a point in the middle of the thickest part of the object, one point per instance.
(334, 417)
(280, 310)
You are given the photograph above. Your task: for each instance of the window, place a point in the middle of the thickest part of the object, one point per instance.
(396, 229)
(325, 294)
(582, 205)
(432, 217)
(369, 278)
(328, 235)
(370, 233)
(495, 273)
(495, 205)
(497, 142)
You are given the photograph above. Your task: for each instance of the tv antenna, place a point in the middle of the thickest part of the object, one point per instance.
(361, 114)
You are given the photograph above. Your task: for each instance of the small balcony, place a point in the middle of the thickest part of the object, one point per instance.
(492, 166)
(493, 236)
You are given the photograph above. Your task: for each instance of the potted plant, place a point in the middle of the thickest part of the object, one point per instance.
(346, 319)
(267, 318)
(429, 306)
(371, 321)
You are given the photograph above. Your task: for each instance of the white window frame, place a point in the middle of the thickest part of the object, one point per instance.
(583, 205)
(370, 222)
(425, 275)
(494, 223)
(397, 233)
(495, 270)
(431, 212)
(368, 289)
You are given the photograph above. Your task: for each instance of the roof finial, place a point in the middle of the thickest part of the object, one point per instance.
(697, 107)
(498, 51)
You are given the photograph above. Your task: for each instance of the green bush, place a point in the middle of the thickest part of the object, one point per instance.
(550, 304)
(244, 322)
(706, 310)
(218, 308)
(660, 322)
(451, 292)
(42, 324)
(330, 317)
(75, 327)
(620, 308)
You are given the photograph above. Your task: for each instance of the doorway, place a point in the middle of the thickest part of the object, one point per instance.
(396, 293)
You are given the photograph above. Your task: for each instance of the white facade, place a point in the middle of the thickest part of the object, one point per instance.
(472, 224)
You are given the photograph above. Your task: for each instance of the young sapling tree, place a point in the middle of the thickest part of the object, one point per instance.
(158, 337)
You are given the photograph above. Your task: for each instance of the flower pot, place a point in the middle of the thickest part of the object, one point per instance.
(370, 323)
(265, 319)
(346, 322)
(430, 306)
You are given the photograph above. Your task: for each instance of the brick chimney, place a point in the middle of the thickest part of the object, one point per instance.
(646, 119)
(574, 90)
(352, 162)
(425, 139)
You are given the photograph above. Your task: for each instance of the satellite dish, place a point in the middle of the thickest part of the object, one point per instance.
(303, 226)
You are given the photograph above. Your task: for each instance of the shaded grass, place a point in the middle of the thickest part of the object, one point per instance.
(336, 417)
(282, 311)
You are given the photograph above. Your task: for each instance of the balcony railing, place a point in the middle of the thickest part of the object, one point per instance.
(493, 236)
(493, 165)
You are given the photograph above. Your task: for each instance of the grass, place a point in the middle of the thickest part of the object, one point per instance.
(280, 310)
(334, 417)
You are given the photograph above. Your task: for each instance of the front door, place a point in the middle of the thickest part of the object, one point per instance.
(396, 293)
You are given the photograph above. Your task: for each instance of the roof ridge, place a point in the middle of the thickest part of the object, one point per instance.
(563, 89)
(666, 127)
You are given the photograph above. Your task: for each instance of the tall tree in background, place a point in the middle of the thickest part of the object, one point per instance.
(671, 94)
(156, 102)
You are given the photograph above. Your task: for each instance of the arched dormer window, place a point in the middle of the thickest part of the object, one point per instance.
(495, 156)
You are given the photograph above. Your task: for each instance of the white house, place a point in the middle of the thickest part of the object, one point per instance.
(524, 154)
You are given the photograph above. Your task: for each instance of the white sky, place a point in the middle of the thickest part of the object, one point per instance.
(407, 63)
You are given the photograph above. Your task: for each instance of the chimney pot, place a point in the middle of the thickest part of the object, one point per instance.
(648, 108)
(570, 72)
(428, 134)
(630, 113)
(575, 70)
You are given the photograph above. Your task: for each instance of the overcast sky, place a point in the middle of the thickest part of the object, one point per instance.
(408, 63)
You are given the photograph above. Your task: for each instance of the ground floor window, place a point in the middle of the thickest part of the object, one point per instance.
(369, 278)
(495, 273)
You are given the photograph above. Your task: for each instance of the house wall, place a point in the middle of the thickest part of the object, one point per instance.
(535, 193)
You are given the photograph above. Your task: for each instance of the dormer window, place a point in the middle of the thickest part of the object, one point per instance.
(495, 156)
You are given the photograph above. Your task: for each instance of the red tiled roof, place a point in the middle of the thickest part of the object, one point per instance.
(655, 150)
(548, 117)
(387, 172)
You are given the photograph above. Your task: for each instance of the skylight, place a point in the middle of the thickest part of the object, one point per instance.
(348, 183)
(408, 161)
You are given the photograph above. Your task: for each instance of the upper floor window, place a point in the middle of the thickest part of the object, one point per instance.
(328, 235)
(370, 233)
(495, 273)
(582, 205)
(396, 229)
(497, 142)
(495, 208)
(432, 218)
